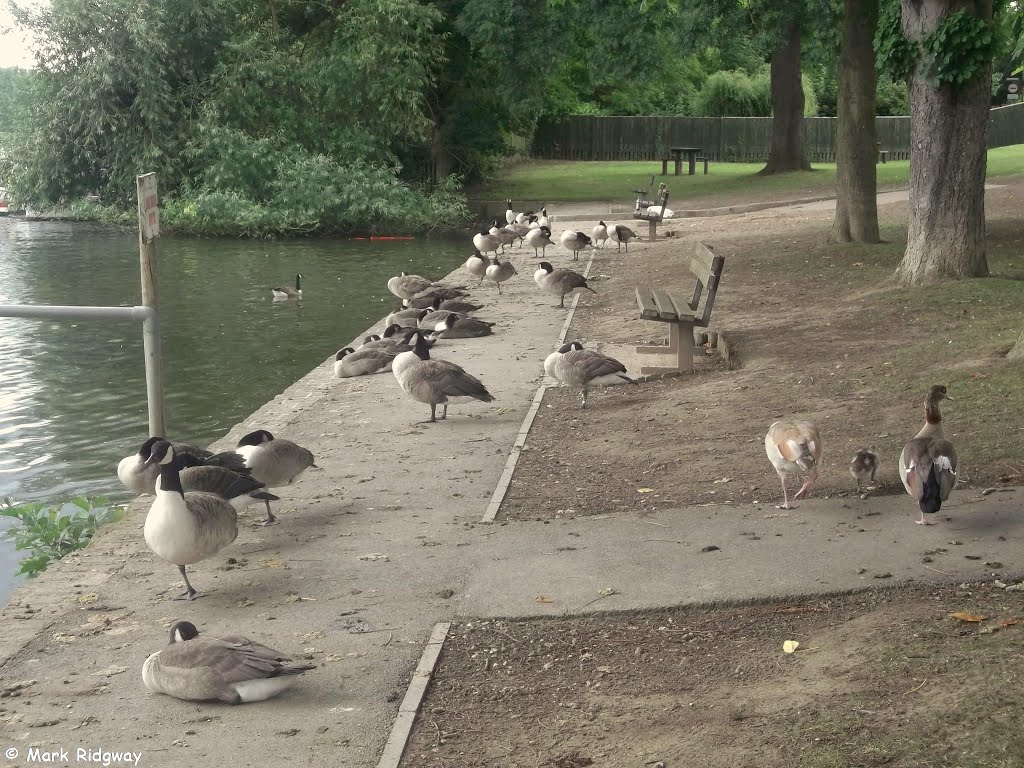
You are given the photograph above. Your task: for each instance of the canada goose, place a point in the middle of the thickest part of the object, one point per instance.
(185, 528)
(575, 242)
(390, 341)
(600, 233)
(499, 272)
(431, 320)
(928, 463)
(792, 447)
(273, 461)
(403, 316)
(621, 234)
(406, 286)
(363, 362)
(435, 382)
(524, 217)
(455, 327)
(864, 465)
(232, 668)
(520, 231)
(575, 366)
(485, 242)
(510, 215)
(542, 219)
(139, 475)
(289, 293)
(240, 490)
(454, 305)
(476, 265)
(505, 236)
(539, 238)
(560, 282)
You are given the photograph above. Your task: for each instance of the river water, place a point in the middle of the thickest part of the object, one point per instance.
(73, 394)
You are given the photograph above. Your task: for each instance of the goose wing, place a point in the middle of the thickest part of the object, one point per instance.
(234, 659)
(919, 457)
(453, 381)
(286, 451)
(567, 279)
(216, 520)
(594, 364)
(218, 480)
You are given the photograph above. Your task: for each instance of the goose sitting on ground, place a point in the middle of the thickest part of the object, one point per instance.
(430, 320)
(139, 475)
(186, 528)
(232, 668)
(793, 447)
(362, 362)
(574, 366)
(575, 242)
(485, 242)
(560, 282)
(928, 463)
(454, 305)
(600, 234)
(539, 239)
(505, 236)
(409, 316)
(435, 382)
(500, 271)
(455, 327)
(864, 465)
(289, 293)
(621, 234)
(510, 215)
(273, 461)
(406, 286)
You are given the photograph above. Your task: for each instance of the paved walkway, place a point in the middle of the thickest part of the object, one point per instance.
(384, 541)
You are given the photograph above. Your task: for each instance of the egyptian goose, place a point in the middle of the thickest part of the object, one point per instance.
(793, 447)
(928, 462)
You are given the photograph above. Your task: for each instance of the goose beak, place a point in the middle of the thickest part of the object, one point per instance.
(947, 397)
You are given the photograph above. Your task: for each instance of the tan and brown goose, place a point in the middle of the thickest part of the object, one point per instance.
(793, 446)
(928, 463)
(231, 668)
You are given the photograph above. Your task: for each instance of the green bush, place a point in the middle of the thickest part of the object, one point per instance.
(48, 533)
(734, 93)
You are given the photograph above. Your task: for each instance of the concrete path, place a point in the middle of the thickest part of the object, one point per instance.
(384, 541)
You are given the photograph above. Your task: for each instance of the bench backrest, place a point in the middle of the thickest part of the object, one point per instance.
(707, 267)
(663, 202)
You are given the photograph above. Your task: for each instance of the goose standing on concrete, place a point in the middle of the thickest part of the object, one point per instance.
(435, 382)
(289, 293)
(476, 265)
(864, 465)
(362, 362)
(560, 282)
(575, 242)
(232, 669)
(928, 463)
(273, 461)
(539, 238)
(574, 366)
(505, 236)
(139, 475)
(600, 234)
(500, 271)
(793, 447)
(510, 215)
(520, 231)
(186, 528)
(455, 327)
(621, 234)
(485, 242)
(542, 219)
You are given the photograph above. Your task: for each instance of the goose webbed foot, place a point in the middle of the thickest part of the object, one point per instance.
(190, 592)
(271, 520)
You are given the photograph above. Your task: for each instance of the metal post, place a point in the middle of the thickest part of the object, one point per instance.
(148, 231)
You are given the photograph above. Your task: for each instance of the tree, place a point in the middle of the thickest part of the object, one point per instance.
(948, 45)
(787, 151)
(856, 151)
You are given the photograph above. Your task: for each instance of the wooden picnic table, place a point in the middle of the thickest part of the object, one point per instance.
(691, 156)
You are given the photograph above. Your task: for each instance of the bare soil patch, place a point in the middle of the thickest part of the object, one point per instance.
(821, 333)
(880, 678)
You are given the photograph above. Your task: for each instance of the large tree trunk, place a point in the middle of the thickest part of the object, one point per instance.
(787, 151)
(948, 135)
(856, 150)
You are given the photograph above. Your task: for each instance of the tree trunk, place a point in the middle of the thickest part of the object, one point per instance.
(948, 138)
(441, 158)
(856, 150)
(787, 151)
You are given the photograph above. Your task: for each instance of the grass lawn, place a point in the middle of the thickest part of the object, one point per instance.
(551, 181)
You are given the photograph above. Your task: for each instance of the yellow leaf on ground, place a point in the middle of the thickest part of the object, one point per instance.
(272, 562)
(968, 617)
(645, 490)
(789, 646)
(90, 597)
(542, 599)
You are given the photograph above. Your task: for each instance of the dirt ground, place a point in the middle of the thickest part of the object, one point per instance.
(886, 677)
(818, 331)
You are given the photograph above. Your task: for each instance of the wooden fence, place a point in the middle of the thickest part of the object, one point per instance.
(728, 139)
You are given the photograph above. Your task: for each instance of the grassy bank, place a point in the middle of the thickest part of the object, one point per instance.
(726, 182)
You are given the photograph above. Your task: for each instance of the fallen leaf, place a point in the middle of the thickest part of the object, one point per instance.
(790, 646)
(111, 671)
(1009, 622)
(645, 490)
(858, 263)
(272, 562)
(542, 599)
(374, 556)
(90, 597)
(966, 617)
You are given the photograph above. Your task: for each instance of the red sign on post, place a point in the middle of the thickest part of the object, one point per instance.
(149, 209)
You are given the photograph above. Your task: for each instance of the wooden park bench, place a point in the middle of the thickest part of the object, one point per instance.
(883, 154)
(681, 314)
(642, 212)
(641, 193)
